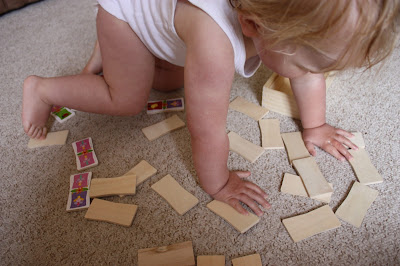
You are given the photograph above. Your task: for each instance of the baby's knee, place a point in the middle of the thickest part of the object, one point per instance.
(31, 82)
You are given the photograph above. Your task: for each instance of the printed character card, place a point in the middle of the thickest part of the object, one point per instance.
(84, 152)
(165, 106)
(79, 191)
(61, 114)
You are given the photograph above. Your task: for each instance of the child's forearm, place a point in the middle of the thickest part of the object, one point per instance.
(210, 155)
(310, 93)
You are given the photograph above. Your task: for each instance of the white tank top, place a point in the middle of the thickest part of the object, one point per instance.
(153, 23)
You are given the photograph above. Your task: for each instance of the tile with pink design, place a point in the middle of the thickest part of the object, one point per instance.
(79, 197)
(84, 152)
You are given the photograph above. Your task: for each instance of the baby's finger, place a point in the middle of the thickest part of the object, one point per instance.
(346, 142)
(341, 149)
(333, 151)
(344, 133)
(310, 147)
(256, 188)
(243, 174)
(252, 205)
(257, 197)
(236, 205)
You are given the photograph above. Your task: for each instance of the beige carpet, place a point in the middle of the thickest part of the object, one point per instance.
(55, 37)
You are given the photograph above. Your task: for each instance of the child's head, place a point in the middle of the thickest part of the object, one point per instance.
(363, 31)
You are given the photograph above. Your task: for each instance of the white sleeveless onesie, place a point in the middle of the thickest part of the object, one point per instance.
(153, 23)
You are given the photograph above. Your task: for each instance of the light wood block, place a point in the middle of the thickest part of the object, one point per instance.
(239, 221)
(162, 128)
(278, 97)
(355, 206)
(179, 199)
(317, 221)
(244, 148)
(293, 185)
(172, 255)
(250, 260)
(313, 180)
(143, 171)
(214, 260)
(364, 169)
(123, 185)
(116, 213)
(52, 138)
(358, 140)
(253, 110)
(271, 134)
(295, 146)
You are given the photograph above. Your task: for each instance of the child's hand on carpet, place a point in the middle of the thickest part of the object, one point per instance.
(237, 190)
(330, 139)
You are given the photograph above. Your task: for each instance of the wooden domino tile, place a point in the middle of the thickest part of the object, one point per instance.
(271, 134)
(123, 185)
(364, 169)
(253, 110)
(245, 148)
(239, 221)
(313, 180)
(162, 128)
(250, 260)
(116, 213)
(52, 138)
(143, 171)
(214, 260)
(84, 154)
(295, 146)
(355, 206)
(172, 255)
(179, 199)
(306, 225)
(293, 185)
(358, 140)
(79, 185)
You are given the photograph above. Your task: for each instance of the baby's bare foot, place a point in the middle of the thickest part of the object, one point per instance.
(35, 111)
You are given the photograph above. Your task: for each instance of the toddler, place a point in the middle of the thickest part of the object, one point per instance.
(200, 44)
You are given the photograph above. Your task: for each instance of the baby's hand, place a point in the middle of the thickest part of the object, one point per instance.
(330, 139)
(236, 190)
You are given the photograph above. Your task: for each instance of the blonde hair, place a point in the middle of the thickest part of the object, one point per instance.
(368, 40)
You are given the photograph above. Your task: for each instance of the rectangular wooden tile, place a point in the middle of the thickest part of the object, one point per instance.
(317, 221)
(172, 255)
(295, 146)
(271, 134)
(250, 260)
(52, 138)
(84, 154)
(143, 171)
(364, 169)
(213, 260)
(162, 128)
(292, 184)
(355, 206)
(179, 199)
(239, 221)
(313, 180)
(244, 148)
(253, 110)
(116, 213)
(123, 185)
(79, 185)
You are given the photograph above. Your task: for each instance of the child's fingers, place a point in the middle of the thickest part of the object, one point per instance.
(236, 205)
(252, 205)
(256, 188)
(344, 133)
(243, 174)
(329, 147)
(258, 197)
(346, 141)
(341, 149)
(310, 147)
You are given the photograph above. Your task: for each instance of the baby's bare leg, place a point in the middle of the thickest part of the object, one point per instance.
(95, 64)
(128, 69)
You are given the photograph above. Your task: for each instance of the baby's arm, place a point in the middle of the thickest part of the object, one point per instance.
(310, 94)
(209, 73)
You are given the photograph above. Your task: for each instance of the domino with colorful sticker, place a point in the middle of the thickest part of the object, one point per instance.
(61, 114)
(84, 152)
(79, 191)
(162, 106)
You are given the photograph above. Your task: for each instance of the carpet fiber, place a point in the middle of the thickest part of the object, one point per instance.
(55, 37)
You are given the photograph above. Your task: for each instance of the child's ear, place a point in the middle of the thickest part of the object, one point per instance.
(249, 27)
